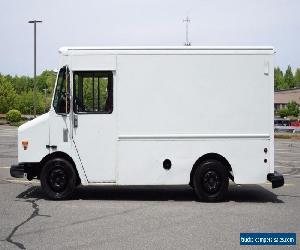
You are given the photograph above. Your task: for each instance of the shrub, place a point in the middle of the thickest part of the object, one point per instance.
(13, 116)
(283, 113)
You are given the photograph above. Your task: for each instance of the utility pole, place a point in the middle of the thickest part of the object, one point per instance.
(187, 21)
(34, 75)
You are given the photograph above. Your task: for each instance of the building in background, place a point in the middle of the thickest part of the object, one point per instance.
(283, 97)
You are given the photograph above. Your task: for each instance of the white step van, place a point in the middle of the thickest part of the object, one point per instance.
(155, 116)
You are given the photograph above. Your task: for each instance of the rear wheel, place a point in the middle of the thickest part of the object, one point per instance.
(58, 179)
(211, 181)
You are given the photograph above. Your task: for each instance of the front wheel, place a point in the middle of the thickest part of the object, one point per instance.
(211, 181)
(58, 179)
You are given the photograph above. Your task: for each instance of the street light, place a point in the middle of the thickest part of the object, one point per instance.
(34, 76)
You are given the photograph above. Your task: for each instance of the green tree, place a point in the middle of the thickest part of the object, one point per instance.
(278, 79)
(17, 92)
(45, 85)
(25, 102)
(293, 108)
(297, 78)
(22, 83)
(7, 95)
(46, 80)
(289, 78)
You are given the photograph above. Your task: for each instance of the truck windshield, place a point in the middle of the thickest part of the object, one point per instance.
(61, 101)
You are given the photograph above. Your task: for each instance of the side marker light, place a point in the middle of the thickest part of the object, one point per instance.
(25, 145)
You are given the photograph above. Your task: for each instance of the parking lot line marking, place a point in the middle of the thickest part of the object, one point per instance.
(285, 184)
(288, 161)
(286, 167)
(21, 181)
(289, 184)
(284, 152)
(4, 167)
(293, 175)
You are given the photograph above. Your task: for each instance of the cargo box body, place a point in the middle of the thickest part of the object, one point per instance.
(168, 108)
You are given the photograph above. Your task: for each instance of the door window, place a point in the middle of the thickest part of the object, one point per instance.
(93, 92)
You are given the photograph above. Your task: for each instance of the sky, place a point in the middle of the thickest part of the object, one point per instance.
(143, 22)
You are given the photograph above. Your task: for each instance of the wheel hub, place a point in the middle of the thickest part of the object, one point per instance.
(57, 180)
(211, 181)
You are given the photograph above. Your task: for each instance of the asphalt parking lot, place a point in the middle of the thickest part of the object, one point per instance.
(143, 217)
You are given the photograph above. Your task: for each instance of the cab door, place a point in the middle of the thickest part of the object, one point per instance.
(60, 116)
(94, 124)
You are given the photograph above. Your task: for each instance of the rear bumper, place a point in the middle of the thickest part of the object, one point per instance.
(17, 171)
(276, 179)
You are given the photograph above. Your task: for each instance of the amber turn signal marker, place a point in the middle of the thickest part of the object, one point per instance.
(25, 144)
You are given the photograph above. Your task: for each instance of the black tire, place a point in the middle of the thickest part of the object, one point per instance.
(211, 181)
(58, 179)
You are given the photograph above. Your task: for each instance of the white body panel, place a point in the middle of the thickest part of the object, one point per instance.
(169, 103)
(182, 152)
(97, 149)
(36, 132)
(199, 94)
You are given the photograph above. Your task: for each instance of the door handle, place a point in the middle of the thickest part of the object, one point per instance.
(75, 121)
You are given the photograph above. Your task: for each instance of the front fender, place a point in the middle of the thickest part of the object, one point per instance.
(36, 132)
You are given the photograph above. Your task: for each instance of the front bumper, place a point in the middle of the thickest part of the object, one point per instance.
(31, 169)
(17, 171)
(276, 179)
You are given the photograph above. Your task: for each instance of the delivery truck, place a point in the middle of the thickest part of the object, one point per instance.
(185, 115)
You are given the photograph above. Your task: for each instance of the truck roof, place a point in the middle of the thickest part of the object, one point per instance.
(168, 50)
